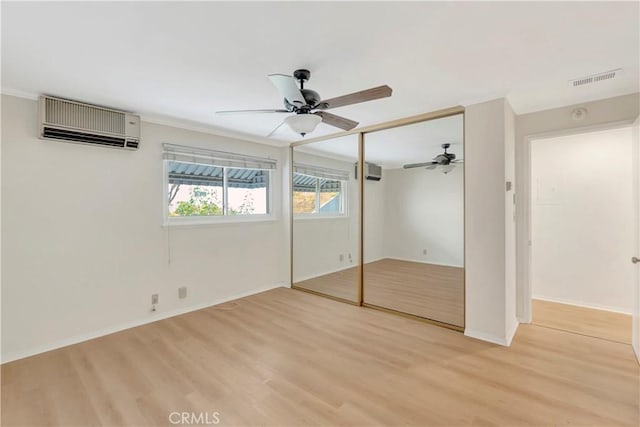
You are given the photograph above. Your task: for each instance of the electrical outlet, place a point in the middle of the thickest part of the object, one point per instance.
(182, 292)
(341, 257)
(154, 299)
(424, 252)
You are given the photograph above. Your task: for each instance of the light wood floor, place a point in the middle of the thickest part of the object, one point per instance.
(427, 290)
(289, 358)
(341, 284)
(580, 320)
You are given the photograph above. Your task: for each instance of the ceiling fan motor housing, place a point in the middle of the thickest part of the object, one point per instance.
(311, 98)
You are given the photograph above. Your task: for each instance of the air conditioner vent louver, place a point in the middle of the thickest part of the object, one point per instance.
(74, 115)
(594, 78)
(69, 135)
(70, 121)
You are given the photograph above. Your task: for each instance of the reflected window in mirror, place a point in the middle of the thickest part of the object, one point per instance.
(319, 192)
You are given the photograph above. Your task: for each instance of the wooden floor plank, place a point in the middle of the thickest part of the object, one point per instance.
(603, 324)
(288, 358)
(431, 291)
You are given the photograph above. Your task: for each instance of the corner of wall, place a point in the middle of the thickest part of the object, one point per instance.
(483, 336)
(512, 328)
(485, 290)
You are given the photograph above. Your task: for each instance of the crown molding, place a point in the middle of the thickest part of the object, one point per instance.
(20, 93)
(212, 130)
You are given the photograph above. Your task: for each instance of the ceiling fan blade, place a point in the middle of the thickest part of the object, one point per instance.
(276, 129)
(357, 97)
(418, 165)
(288, 88)
(337, 121)
(251, 111)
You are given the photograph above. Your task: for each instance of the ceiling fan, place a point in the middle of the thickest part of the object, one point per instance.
(304, 103)
(448, 160)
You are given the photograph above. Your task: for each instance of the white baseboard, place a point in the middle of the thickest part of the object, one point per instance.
(512, 332)
(581, 304)
(423, 261)
(308, 277)
(483, 336)
(524, 320)
(11, 356)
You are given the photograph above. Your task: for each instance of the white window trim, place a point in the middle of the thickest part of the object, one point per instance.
(192, 221)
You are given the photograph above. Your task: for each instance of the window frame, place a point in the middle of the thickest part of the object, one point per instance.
(225, 218)
(344, 186)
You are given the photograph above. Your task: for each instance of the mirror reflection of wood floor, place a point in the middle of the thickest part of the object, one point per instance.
(288, 358)
(427, 290)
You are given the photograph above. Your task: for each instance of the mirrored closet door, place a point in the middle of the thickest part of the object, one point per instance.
(414, 220)
(326, 240)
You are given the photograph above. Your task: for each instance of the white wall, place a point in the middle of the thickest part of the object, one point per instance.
(486, 285)
(375, 221)
(319, 242)
(1, 103)
(549, 123)
(84, 246)
(424, 209)
(582, 219)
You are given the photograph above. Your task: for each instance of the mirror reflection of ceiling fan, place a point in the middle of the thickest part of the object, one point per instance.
(445, 161)
(304, 103)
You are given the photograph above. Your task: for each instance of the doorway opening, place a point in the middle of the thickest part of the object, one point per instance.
(581, 233)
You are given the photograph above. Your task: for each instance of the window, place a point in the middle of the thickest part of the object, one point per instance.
(319, 191)
(205, 185)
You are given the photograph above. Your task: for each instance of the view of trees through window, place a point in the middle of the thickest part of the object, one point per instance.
(246, 194)
(199, 200)
(195, 200)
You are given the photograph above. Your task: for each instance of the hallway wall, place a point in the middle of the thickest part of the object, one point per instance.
(582, 219)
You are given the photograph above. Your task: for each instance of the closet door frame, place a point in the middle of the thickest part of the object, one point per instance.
(362, 132)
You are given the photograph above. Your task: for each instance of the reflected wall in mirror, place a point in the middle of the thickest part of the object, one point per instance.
(326, 218)
(414, 220)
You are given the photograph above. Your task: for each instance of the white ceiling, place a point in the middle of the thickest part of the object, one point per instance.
(392, 148)
(186, 60)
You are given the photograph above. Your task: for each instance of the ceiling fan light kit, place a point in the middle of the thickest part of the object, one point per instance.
(303, 123)
(304, 102)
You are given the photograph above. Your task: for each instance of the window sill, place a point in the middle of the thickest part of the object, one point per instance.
(219, 220)
(314, 216)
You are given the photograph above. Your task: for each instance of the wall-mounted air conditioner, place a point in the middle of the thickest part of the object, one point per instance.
(371, 172)
(71, 121)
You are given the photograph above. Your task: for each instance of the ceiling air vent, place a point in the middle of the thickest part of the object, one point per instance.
(71, 121)
(594, 78)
